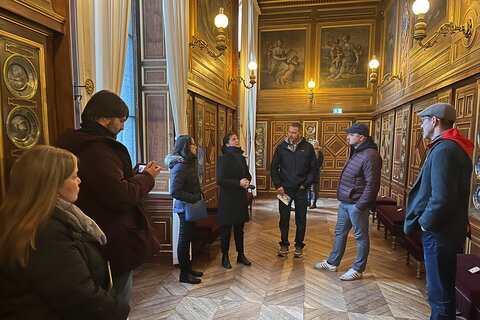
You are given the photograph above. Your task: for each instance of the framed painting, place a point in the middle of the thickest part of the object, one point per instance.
(344, 55)
(282, 55)
(390, 40)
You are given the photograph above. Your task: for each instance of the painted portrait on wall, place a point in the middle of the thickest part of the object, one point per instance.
(206, 12)
(282, 59)
(344, 53)
(390, 37)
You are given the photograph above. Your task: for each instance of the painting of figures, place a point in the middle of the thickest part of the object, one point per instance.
(344, 55)
(282, 59)
(391, 36)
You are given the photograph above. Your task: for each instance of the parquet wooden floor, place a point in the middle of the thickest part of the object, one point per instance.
(285, 288)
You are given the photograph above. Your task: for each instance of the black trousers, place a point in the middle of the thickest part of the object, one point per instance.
(300, 198)
(226, 231)
(184, 238)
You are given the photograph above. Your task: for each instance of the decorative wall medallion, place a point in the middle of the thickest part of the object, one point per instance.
(310, 129)
(476, 197)
(260, 144)
(20, 77)
(23, 127)
(477, 168)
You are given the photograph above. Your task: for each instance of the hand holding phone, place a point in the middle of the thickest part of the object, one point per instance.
(141, 167)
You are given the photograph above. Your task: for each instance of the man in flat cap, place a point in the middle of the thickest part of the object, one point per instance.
(438, 205)
(357, 190)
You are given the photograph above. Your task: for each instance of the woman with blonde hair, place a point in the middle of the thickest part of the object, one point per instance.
(50, 261)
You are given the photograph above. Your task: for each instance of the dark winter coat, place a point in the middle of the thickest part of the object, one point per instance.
(232, 198)
(439, 199)
(360, 178)
(319, 157)
(184, 185)
(66, 278)
(113, 196)
(291, 170)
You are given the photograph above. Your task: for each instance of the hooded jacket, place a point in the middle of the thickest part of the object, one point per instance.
(184, 185)
(439, 199)
(113, 196)
(291, 169)
(360, 178)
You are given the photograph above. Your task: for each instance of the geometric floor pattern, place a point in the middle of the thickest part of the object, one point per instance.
(285, 288)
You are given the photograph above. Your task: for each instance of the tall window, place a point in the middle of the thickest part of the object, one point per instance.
(128, 135)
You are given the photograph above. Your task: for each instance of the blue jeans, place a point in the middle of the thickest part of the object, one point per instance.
(300, 198)
(122, 284)
(348, 216)
(440, 255)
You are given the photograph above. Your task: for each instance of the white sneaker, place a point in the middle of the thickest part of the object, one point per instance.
(324, 265)
(351, 275)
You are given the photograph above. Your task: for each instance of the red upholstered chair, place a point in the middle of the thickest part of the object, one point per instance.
(414, 247)
(382, 201)
(467, 286)
(392, 218)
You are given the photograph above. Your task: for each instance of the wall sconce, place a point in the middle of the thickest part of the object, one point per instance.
(221, 22)
(252, 66)
(373, 65)
(311, 87)
(420, 8)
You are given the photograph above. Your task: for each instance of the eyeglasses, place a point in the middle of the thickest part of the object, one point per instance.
(425, 118)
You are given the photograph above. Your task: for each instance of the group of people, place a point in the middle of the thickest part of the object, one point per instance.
(60, 260)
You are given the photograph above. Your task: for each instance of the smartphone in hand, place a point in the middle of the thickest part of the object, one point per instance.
(141, 167)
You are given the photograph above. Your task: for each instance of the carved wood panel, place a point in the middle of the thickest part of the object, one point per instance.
(387, 143)
(378, 130)
(310, 130)
(400, 145)
(210, 152)
(335, 151)
(465, 99)
(222, 127)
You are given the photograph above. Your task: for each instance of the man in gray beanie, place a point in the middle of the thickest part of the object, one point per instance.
(438, 205)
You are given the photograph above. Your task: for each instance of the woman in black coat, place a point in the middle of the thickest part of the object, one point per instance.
(233, 178)
(184, 187)
(51, 266)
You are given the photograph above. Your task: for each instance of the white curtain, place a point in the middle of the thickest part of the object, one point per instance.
(175, 14)
(248, 97)
(112, 18)
(102, 38)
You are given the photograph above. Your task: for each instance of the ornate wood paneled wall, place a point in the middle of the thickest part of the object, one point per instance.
(280, 19)
(34, 52)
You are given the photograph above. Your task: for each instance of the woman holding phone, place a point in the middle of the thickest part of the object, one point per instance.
(233, 178)
(51, 266)
(184, 187)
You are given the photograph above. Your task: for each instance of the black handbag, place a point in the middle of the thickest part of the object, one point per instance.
(195, 211)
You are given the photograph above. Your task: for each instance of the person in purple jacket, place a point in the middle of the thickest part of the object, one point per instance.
(357, 190)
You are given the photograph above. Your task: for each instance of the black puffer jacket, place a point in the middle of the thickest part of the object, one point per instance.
(66, 278)
(184, 186)
(360, 179)
(291, 170)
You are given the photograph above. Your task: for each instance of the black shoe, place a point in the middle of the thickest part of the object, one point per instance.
(313, 206)
(242, 259)
(195, 273)
(188, 278)
(226, 262)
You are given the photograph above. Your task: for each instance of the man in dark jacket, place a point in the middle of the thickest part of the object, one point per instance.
(293, 169)
(357, 190)
(111, 193)
(438, 205)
